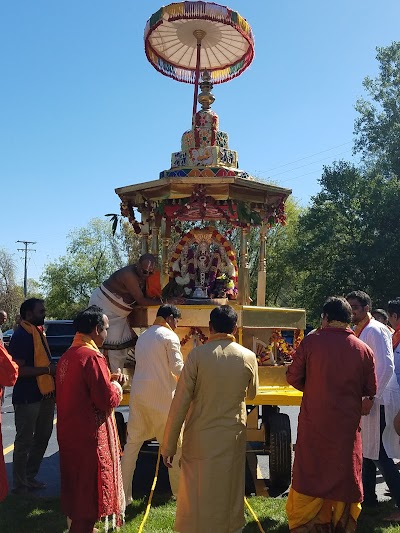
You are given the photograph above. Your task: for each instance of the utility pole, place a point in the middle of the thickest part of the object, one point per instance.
(26, 250)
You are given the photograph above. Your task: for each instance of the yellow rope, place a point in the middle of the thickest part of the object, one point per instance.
(254, 515)
(146, 514)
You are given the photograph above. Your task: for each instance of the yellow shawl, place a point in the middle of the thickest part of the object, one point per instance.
(361, 325)
(160, 321)
(81, 339)
(41, 357)
(222, 337)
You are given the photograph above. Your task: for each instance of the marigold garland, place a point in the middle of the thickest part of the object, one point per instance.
(216, 236)
(284, 347)
(194, 331)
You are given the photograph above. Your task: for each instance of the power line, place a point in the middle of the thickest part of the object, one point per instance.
(303, 158)
(311, 163)
(302, 176)
(26, 250)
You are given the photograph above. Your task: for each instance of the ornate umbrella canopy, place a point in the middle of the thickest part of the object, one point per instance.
(182, 38)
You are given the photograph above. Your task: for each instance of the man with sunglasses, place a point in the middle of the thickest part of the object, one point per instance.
(380, 442)
(117, 296)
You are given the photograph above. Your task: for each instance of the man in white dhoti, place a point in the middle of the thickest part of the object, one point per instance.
(380, 442)
(210, 397)
(159, 363)
(117, 296)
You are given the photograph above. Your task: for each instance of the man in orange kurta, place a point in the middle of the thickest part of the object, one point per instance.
(8, 376)
(91, 480)
(335, 370)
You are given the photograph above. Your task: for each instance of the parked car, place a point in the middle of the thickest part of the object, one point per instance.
(59, 334)
(7, 337)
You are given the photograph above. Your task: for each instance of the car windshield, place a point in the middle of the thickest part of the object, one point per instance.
(59, 329)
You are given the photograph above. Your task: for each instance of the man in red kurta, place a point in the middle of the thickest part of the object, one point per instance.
(335, 370)
(91, 480)
(8, 376)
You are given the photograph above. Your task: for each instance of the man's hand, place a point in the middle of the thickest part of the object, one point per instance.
(366, 406)
(119, 377)
(167, 460)
(52, 369)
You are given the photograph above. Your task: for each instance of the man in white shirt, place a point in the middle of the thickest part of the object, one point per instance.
(394, 320)
(380, 442)
(159, 363)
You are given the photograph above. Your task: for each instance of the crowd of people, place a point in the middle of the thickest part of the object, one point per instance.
(348, 427)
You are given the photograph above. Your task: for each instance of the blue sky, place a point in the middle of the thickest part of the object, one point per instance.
(83, 112)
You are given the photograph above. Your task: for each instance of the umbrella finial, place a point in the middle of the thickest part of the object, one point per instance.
(206, 98)
(199, 34)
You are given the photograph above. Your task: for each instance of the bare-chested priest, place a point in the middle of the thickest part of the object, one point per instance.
(129, 286)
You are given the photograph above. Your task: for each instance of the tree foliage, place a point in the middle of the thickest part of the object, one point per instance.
(377, 128)
(93, 253)
(282, 278)
(348, 237)
(11, 294)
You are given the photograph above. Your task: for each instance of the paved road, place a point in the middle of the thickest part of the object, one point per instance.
(49, 472)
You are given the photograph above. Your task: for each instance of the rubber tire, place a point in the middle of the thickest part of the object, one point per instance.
(280, 459)
(121, 428)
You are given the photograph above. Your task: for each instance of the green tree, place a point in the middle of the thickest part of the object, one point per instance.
(283, 280)
(348, 237)
(377, 128)
(93, 253)
(11, 294)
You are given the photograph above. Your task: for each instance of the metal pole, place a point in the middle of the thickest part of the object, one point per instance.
(25, 250)
(199, 34)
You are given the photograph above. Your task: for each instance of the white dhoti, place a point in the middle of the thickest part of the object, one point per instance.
(145, 423)
(120, 336)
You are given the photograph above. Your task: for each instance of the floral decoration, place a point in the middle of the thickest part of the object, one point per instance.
(128, 212)
(286, 350)
(194, 331)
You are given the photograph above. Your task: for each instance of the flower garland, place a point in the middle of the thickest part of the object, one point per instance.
(216, 236)
(128, 212)
(286, 349)
(194, 331)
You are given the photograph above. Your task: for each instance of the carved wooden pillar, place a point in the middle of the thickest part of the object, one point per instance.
(243, 274)
(155, 229)
(262, 274)
(145, 230)
(165, 238)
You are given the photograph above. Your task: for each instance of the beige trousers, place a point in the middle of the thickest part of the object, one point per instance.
(145, 424)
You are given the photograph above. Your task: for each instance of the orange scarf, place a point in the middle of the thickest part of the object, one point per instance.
(41, 357)
(160, 321)
(361, 325)
(81, 339)
(396, 337)
(222, 337)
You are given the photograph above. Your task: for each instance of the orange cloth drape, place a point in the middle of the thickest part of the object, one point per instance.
(153, 285)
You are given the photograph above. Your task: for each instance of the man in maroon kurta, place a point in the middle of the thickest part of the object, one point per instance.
(91, 480)
(335, 370)
(8, 376)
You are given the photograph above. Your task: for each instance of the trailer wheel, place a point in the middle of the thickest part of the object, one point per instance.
(121, 428)
(280, 459)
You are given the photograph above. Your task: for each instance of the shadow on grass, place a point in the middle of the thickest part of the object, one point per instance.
(22, 514)
(269, 525)
(371, 519)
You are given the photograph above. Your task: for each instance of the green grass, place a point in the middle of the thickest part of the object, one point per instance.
(43, 515)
